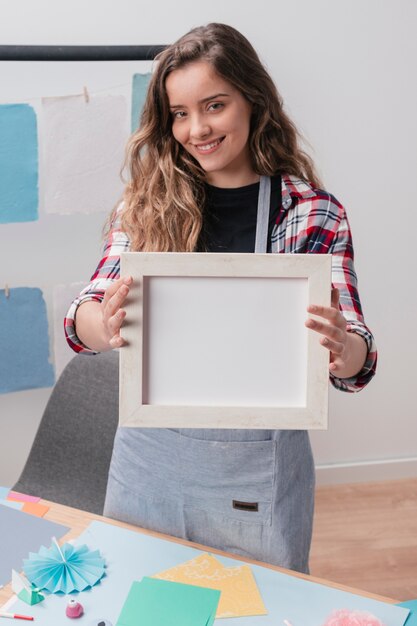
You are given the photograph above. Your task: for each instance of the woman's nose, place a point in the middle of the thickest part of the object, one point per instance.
(199, 127)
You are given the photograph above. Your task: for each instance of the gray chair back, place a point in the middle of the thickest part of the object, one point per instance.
(70, 457)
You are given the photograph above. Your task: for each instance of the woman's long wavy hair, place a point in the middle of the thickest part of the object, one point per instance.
(165, 194)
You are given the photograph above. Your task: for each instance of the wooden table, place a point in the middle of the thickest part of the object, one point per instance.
(79, 520)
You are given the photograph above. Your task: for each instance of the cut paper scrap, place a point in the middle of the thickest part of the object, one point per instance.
(164, 603)
(19, 534)
(64, 568)
(4, 492)
(34, 508)
(24, 339)
(239, 592)
(24, 590)
(12, 504)
(412, 618)
(18, 164)
(83, 153)
(22, 497)
(63, 295)
(140, 85)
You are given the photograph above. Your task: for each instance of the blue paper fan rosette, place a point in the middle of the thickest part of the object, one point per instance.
(75, 568)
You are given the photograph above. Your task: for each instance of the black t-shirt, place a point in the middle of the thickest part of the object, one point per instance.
(229, 218)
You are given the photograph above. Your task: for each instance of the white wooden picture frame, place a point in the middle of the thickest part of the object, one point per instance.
(219, 341)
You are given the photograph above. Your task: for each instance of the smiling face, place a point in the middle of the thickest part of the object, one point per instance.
(211, 120)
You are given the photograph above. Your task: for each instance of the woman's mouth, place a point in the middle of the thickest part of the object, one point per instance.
(208, 148)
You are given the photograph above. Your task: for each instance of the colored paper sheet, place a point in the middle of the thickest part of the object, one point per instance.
(140, 85)
(164, 603)
(24, 341)
(63, 295)
(21, 533)
(12, 504)
(412, 618)
(84, 153)
(131, 555)
(24, 590)
(34, 508)
(4, 491)
(239, 593)
(22, 497)
(18, 164)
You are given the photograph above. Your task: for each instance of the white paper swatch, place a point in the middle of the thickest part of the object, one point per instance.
(83, 152)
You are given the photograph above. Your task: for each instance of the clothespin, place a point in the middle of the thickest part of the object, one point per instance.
(6, 291)
(86, 95)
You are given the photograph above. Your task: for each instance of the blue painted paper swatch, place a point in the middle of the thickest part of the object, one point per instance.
(18, 164)
(24, 341)
(139, 90)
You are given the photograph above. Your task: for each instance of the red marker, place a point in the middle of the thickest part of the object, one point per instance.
(16, 616)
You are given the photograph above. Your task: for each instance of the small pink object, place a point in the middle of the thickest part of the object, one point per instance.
(74, 609)
(344, 617)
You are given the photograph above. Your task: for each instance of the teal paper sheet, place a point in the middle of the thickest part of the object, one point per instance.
(412, 618)
(163, 603)
(24, 341)
(140, 84)
(18, 164)
(130, 556)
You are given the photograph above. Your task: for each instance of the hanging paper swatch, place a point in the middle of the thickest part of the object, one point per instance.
(24, 341)
(18, 164)
(84, 146)
(140, 85)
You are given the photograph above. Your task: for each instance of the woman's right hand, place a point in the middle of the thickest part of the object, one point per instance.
(112, 312)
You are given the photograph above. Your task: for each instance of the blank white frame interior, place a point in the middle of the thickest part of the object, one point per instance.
(219, 341)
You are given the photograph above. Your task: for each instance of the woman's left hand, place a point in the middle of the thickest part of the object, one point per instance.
(333, 329)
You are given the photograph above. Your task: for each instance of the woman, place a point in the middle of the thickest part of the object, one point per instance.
(213, 133)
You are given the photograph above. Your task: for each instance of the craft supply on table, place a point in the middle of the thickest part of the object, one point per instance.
(24, 590)
(65, 568)
(132, 555)
(239, 593)
(28, 618)
(164, 603)
(74, 609)
(21, 533)
(344, 617)
(100, 622)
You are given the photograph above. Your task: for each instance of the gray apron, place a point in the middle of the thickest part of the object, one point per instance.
(250, 492)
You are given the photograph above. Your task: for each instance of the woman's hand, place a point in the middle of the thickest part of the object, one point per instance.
(112, 312)
(347, 350)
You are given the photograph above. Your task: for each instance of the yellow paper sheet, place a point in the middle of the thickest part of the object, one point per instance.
(239, 593)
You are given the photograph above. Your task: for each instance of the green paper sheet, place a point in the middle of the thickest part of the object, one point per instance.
(164, 603)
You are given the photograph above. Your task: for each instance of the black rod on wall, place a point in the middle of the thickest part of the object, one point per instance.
(79, 53)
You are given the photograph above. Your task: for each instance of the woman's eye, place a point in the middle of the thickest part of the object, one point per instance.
(177, 115)
(215, 106)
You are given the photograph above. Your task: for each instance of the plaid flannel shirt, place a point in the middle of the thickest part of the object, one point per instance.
(310, 221)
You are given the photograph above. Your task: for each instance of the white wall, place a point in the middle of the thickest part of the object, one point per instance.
(347, 73)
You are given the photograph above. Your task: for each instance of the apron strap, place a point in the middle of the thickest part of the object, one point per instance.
(262, 220)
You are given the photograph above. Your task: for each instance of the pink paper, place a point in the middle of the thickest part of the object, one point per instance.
(21, 497)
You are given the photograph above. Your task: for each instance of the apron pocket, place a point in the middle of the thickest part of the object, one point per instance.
(233, 480)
